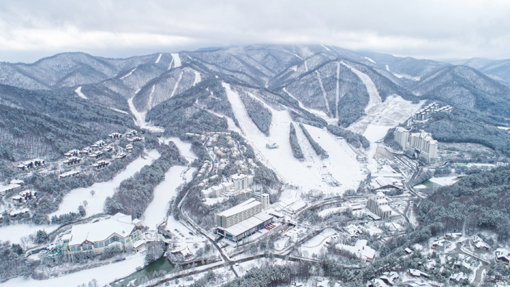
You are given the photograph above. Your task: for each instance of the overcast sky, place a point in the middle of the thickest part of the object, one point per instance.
(443, 29)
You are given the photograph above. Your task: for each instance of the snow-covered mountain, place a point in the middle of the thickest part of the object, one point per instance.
(185, 91)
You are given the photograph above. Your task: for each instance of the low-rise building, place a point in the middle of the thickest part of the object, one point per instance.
(117, 230)
(502, 255)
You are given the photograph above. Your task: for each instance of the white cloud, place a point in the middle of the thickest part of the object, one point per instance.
(434, 29)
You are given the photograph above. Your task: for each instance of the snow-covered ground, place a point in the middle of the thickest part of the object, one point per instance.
(140, 118)
(95, 202)
(315, 245)
(341, 165)
(15, 233)
(449, 180)
(176, 59)
(332, 210)
(104, 275)
(159, 58)
(79, 93)
(156, 211)
(198, 78)
(184, 147)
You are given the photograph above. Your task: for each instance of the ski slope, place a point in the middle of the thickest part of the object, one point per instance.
(198, 78)
(79, 93)
(140, 118)
(128, 74)
(95, 202)
(176, 84)
(341, 164)
(159, 58)
(155, 214)
(176, 59)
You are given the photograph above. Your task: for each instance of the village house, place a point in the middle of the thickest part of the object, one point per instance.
(72, 153)
(31, 164)
(72, 161)
(100, 164)
(69, 174)
(115, 136)
(502, 255)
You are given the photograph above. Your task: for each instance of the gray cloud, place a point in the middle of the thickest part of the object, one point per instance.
(424, 29)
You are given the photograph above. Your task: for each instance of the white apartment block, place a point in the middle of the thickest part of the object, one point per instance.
(379, 205)
(233, 187)
(422, 142)
(238, 213)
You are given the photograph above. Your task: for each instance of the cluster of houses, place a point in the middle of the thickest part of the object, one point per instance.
(425, 112)
(31, 164)
(97, 151)
(232, 187)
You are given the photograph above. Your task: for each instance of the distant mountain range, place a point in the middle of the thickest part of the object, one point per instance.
(63, 99)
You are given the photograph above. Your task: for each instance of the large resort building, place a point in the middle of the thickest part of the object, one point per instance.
(118, 230)
(421, 143)
(244, 219)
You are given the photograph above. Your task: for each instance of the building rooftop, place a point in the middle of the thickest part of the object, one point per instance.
(248, 224)
(119, 223)
(240, 207)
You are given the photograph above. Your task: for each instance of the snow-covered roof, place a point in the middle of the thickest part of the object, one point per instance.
(99, 231)
(250, 203)
(16, 181)
(248, 224)
(138, 243)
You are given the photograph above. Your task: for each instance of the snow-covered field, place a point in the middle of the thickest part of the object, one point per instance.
(315, 245)
(15, 233)
(449, 180)
(102, 189)
(184, 147)
(104, 275)
(156, 211)
(341, 165)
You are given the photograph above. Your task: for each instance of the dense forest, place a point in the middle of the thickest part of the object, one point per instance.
(294, 144)
(318, 149)
(481, 201)
(135, 193)
(180, 114)
(466, 127)
(259, 114)
(356, 140)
